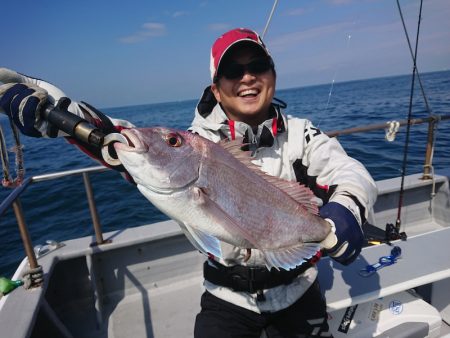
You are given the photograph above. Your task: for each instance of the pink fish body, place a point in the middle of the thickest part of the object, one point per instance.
(216, 193)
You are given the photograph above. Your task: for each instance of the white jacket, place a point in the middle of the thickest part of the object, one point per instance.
(292, 149)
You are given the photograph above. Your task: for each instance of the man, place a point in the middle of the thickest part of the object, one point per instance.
(242, 297)
(239, 104)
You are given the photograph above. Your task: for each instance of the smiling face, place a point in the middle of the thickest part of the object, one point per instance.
(248, 97)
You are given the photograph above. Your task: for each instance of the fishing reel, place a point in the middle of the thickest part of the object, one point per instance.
(392, 233)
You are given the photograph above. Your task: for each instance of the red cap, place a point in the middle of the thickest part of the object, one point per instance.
(229, 39)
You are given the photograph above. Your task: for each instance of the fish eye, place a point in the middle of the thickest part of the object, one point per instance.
(173, 140)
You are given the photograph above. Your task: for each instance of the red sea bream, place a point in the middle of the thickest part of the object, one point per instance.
(216, 193)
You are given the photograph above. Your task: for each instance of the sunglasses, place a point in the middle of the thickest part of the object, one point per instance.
(233, 70)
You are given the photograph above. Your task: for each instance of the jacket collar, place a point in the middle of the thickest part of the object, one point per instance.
(210, 115)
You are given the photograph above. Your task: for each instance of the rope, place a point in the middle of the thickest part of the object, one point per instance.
(4, 158)
(7, 180)
(433, 178)
(392, 130)
(33, 277)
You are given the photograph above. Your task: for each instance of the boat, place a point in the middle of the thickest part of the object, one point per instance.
(147, 281)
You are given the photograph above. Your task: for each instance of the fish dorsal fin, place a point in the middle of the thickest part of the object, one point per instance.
(297, 191)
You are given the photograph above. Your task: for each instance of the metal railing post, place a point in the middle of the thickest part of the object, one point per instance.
(429, 150)
(93, 209)
(24, 234)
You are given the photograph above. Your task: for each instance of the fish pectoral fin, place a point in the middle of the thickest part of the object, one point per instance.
(220, 216)
(292, 257)
(203, 241)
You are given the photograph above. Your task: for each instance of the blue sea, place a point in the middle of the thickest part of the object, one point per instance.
(57, 210)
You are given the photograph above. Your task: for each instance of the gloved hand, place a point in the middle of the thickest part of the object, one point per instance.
(22, 97)
(22, 103)
(347, 241)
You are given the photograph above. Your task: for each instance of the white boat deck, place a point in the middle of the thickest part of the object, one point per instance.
(173, 306)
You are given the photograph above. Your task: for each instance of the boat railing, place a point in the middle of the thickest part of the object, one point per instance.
(13, 200)
(432, 120)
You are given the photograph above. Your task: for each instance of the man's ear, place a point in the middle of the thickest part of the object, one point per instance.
(215, 91)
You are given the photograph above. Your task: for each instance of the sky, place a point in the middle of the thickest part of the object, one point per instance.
(116, 53)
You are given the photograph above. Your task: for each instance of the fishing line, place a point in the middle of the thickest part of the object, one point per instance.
(408, 125)
(413, 58)
(333, 81)
(335, 74)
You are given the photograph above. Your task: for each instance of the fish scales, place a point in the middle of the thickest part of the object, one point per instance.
(217, 194)
(270, 216)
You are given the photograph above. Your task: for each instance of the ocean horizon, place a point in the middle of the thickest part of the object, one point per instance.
(329, 84)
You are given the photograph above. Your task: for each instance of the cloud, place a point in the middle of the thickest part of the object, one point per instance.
(221, 27)
(149, 30)
(286, 41)
(177, 14)
(340, 2)
(295, 12)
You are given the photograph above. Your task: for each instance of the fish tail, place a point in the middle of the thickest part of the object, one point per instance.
(292, 257)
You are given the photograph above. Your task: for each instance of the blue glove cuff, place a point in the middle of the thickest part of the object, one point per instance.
(10, 102)
(348, 232)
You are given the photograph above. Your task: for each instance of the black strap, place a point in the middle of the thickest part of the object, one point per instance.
(250, 279)
(207, 102)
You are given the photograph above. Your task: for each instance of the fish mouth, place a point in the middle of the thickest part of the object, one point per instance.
(135, 143)
(167, 190)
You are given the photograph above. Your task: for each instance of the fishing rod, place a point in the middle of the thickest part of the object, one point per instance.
(408, 126)
(82, 130)
(71, 124)
(269, 19)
